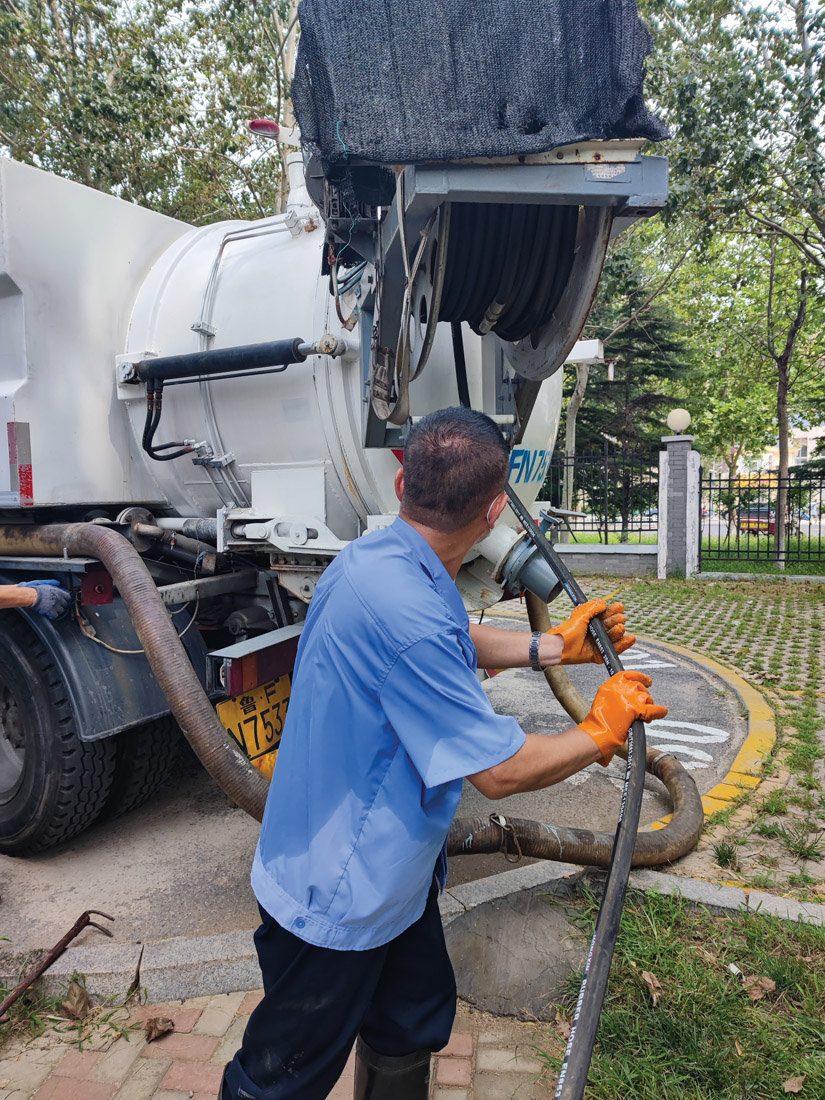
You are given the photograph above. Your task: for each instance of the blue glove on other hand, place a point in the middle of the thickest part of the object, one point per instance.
(52, 600)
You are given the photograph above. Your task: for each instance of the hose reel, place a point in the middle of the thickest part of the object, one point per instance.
(500, 267)
(511, 246)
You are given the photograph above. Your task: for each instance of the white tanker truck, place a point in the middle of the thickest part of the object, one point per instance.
(199, 419)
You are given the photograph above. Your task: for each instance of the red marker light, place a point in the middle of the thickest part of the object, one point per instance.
(264, 127)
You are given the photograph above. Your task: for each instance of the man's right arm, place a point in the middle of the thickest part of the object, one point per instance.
(542, 761)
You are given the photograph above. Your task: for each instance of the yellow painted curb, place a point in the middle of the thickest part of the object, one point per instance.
(745, 769)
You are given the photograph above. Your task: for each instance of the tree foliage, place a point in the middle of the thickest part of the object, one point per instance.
(739, 257)
(148, 100)
(743, 86)
(648, 350)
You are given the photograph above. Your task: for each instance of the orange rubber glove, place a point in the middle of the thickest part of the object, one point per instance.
(579, 647)
(618, 703)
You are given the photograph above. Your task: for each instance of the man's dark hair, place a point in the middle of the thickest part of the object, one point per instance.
(455, 464)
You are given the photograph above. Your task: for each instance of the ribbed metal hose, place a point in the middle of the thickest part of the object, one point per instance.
(480, 836)
(158, 637)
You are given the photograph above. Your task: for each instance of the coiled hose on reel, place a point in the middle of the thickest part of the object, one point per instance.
(507, 265)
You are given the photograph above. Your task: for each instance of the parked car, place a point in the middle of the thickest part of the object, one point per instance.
(761, 519)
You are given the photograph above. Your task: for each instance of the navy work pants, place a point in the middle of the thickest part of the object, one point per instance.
(400, 998)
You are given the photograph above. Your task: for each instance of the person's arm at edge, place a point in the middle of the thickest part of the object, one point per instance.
(13, 596)
(540, 762)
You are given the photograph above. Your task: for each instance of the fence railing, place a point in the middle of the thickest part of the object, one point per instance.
(618, 494)
(739, 518)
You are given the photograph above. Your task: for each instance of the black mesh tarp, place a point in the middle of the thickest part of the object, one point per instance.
(404, 81)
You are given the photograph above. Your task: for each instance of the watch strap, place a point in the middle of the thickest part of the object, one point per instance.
(535, 640)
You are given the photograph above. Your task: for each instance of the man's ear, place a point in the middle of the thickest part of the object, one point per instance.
(498, 506)
(399, 482)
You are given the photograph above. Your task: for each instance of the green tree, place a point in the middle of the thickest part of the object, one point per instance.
(648, 350)
(148, 101)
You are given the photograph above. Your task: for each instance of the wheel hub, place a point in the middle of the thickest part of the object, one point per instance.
(12, 743)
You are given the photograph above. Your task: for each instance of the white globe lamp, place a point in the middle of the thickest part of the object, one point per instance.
(678, 420)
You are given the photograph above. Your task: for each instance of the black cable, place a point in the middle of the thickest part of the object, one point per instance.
(525, 317)
(573, 1076)
(460, 365)
(560, 256)
(523, 286)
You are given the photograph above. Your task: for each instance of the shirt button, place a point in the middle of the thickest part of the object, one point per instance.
(300, 922)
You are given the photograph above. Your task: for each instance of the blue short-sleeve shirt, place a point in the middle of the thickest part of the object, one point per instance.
(385, 719)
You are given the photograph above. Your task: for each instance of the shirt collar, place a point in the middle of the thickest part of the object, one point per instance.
(444, 583)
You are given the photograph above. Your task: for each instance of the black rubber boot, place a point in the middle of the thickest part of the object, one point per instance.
(382, 1077)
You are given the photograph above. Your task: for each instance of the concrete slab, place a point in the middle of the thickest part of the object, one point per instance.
(194, 966)
(512, 954)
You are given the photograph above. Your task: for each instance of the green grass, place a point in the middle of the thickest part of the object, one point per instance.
(725, 854)
(647, 538)
(774, 803)
(725, 560)
(31, 1014)
(686, 1047)
(800, 844)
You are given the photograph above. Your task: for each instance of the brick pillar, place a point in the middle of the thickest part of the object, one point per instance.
(678, 507)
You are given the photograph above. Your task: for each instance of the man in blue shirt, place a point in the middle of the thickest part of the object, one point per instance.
(386, 719)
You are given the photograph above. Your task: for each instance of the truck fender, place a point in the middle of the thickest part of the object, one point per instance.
(109, 692)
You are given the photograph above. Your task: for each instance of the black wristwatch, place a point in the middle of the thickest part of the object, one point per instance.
(534, 651)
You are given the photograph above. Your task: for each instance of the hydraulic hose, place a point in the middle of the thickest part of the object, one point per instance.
(164, 650)
(576, 1063)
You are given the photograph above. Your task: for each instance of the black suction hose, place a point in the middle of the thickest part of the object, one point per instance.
(460, 365)
(573, 1076)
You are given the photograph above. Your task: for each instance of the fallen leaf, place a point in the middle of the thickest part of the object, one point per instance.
(819, 888)
(156, 1026)
(757, 987)
(562, 1027)
(794, 1084)
(653, 984)
(738, 1046)
(77, 1003)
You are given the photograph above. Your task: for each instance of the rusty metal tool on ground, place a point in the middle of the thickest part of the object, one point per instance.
(83, 921)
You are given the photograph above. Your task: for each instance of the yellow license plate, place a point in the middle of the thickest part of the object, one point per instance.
(255, 720)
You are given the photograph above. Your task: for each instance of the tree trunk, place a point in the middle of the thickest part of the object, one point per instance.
(782, 492)
(573, 406)
(783, 369)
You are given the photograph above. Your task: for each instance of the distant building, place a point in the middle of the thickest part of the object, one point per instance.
(804, 442)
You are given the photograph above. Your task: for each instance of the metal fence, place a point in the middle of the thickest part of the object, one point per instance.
(739, 518)
(617, 492)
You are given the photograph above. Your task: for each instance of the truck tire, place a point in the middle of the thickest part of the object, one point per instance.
(52, 784)
(144, 760)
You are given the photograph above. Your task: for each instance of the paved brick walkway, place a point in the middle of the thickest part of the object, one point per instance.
(487, 1058)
